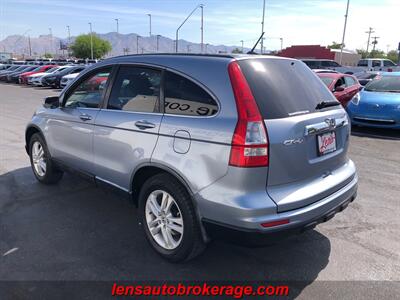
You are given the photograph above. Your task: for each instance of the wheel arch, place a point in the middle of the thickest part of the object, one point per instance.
(29, 132)
(147, 170)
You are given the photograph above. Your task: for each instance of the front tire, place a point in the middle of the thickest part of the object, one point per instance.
(169, 219)
(42, 166)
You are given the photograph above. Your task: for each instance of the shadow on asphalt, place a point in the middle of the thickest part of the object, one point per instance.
(379, 133)
(76, 231)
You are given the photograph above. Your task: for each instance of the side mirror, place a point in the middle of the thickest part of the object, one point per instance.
(339, 89)
(51, 102)
(361, 88)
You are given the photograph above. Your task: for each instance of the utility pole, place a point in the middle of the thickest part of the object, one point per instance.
(371, 30)
(374, 42)
(137, 44)
(201, 27)
(242, 45)
(344, 31)
(91, 39)
(117, 20)
(262, 27)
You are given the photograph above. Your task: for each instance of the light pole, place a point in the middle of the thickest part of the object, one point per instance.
(242, 45)
(281, 43)
(69, 40)
(137, 44)
(150, 24)
(158, 38)
(201, 28)
(51, 39)
(207, 48)
(177, 31)
(91, 39)
(344, 31)
(117, 20)
(262, 27)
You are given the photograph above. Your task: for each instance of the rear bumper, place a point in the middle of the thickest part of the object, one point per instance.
(243, 224)
(254, 238)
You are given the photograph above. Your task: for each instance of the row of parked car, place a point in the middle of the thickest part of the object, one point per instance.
(49, 75)
(370, 98)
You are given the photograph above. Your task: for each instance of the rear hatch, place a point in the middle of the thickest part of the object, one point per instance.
(307, 143)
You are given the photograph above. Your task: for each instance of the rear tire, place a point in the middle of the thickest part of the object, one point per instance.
(169, 219)
(42, 166)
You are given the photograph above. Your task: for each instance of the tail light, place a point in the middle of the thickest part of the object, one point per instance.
(249, 142)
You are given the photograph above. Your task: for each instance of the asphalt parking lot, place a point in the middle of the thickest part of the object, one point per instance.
(75, 231)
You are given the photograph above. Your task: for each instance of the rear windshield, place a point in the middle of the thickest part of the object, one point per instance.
(384, 84)
(284, 87)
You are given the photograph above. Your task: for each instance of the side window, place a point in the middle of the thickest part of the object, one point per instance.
(388, 63)
(89, 93)
(136, 89)
(362, 63)
(184, 97)
(376, 63)
(349, 81)
(334, 64)
(325, 63)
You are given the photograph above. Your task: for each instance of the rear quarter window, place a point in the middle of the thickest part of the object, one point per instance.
(284, 87)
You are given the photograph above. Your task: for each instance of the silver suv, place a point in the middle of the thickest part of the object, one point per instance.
(249, 148)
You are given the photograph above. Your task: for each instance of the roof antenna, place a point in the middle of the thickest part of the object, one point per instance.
(252, 50)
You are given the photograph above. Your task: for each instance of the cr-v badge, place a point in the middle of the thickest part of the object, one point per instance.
(293, 141)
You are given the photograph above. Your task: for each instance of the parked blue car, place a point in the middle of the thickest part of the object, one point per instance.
(378, 104)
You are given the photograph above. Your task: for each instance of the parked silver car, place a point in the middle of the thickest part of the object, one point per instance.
(250, 148)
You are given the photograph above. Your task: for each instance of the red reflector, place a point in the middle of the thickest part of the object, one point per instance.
(275, 223)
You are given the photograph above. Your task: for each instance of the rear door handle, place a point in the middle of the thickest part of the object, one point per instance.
(85, 117)
(144, 125)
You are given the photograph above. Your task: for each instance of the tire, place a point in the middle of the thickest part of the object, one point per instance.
(49, 174)
(183, 246)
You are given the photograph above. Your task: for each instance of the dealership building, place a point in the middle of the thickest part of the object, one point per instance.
(349, 58)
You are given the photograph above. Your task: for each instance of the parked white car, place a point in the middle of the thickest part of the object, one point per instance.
(36, 79)
(67, 79)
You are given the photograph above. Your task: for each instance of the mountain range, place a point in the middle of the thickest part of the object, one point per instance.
(130, 43)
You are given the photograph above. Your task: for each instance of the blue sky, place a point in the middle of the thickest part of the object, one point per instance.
(226, 22)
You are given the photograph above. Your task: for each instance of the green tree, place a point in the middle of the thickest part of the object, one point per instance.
(335, 45)
(393, 55)
(48, 55)
(81, 47)
(237, 50)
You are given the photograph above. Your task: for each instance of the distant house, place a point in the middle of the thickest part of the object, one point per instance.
(349, 58)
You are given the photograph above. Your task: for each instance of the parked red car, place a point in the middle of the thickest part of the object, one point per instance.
(23, 78)
(343, 86)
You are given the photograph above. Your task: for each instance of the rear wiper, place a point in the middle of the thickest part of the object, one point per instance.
(324, 104)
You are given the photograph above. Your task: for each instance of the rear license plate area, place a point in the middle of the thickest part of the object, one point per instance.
(326, 143)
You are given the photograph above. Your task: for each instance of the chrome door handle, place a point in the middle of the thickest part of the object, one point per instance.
(85, 117)
(144, 125)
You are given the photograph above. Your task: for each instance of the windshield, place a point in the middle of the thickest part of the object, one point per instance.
(52, 70)
(328, 81)
(366, 75)
(384, 84)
